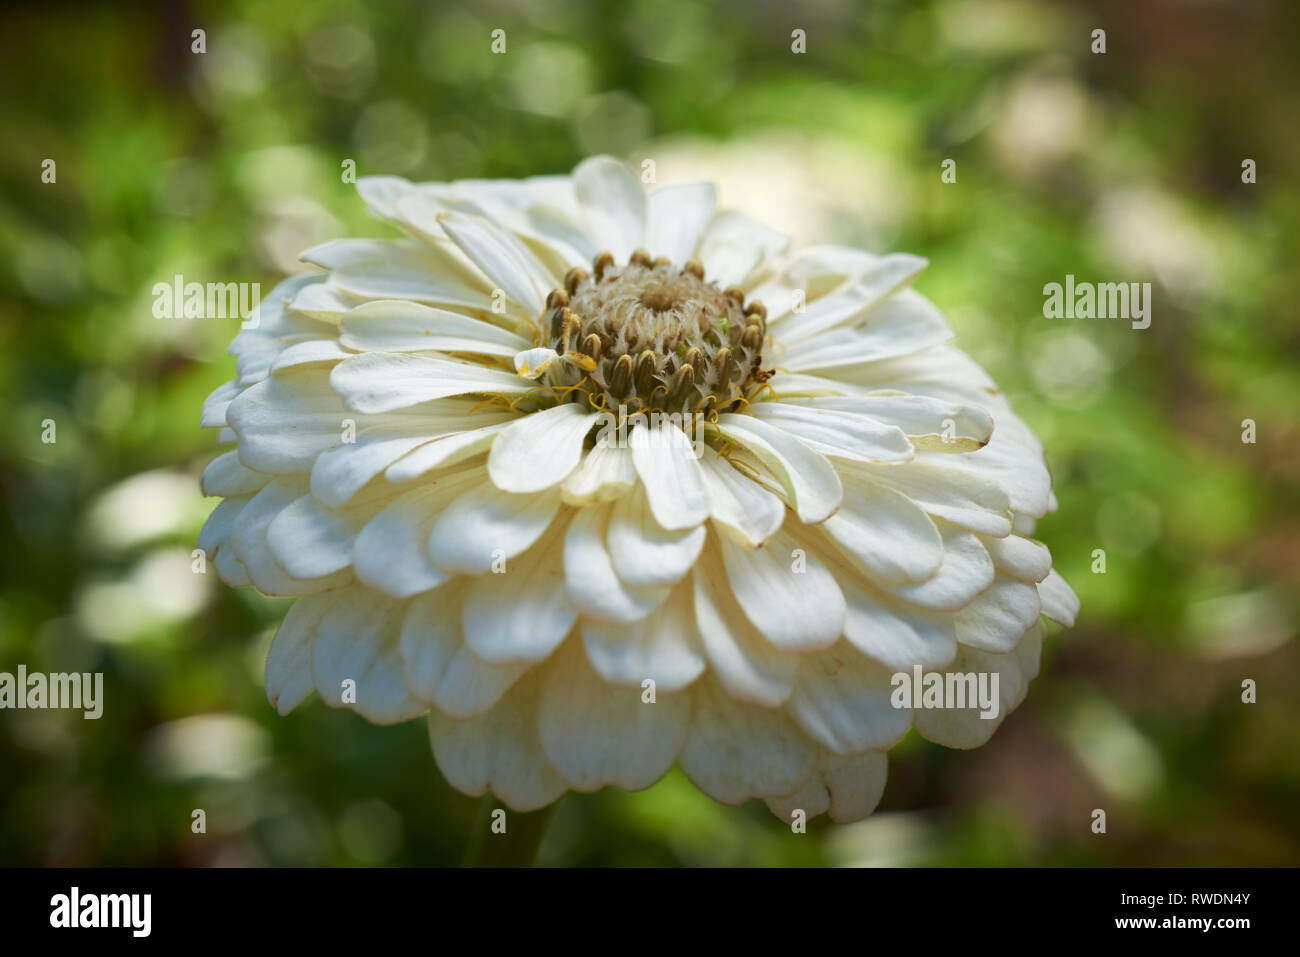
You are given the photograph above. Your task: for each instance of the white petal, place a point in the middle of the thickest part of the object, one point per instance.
(273, 327)
(841, 699)
(900, 325)
(678, 215)
(380, 381)
(597, 733)
(966, 571)
(308, 540)
(435, 272)
(665, 460)
(942, 372)
(886, 534)
(1029, 656)
(215, 405)
(1013, 461)
(606, 473)
(867, 288)
(523, 613)
(792, 599)
(1060, 603)
(849, 788)
(391, 553)
(539, 450)
(288, 666)
(929, 423)
(214, 540)
(1013, 458)
(499, 751)
(807, 477)
(426, 282)
(485, 525)
(849, 346)
(447, 450)
(897, 635)
(734, 246)
(504, 259)
(955, 495)
(746, 664)
(613, 203)
(996, 620)
(663, 646)
(218, 525)
(440, 667)
(421, 210)
(736, 751)
(339, 473)
(398, 326)
(248, 539)
(359, 642)
(226, 476)
(322, 301)
(814, 271)
(644, 552)
(531, 363)
(841, 434)
(284, 423)
(313, 352)
(590, 578)
(381, 193)
(965, 727)
(1024, 559)
(740, 507)
(561, 234)
(798, 385)
(231, 570)
(337, 253)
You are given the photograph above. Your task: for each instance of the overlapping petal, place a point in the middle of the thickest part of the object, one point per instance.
(574, 610)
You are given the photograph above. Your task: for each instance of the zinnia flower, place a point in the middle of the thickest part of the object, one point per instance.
(604, 479)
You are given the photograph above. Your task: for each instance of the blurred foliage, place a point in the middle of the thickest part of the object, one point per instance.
(222, 166)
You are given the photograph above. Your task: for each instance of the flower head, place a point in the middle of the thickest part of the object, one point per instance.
(604, 479)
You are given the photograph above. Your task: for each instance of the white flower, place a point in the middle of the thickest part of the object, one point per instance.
(421, 456)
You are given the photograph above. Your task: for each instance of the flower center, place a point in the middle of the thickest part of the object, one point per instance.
(653, 337)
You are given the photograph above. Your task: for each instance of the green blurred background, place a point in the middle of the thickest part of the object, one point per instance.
(223, 166)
